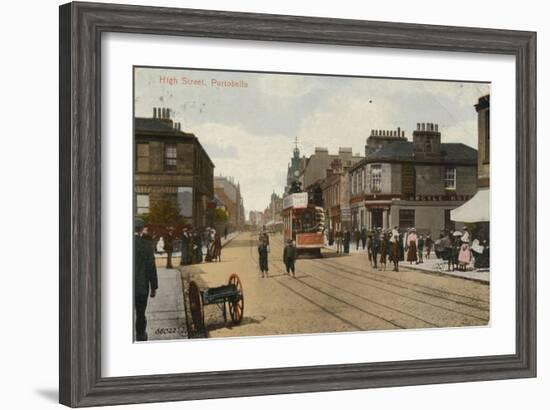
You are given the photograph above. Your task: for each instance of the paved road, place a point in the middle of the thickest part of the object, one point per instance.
(336, 294)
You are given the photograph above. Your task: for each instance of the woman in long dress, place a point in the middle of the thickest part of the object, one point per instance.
(383, 251)
(464, 256)
(411, 246)
(217, 248)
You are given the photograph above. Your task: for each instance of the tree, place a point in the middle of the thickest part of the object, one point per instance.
(220, 216)
(164, 212)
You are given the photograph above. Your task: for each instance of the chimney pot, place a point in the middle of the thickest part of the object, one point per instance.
(168, 113)
(154, 112)
(398, 131)
(423, 126)
(418, 126)
(436, 127)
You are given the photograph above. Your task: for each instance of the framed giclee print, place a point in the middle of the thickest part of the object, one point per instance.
(260, 204)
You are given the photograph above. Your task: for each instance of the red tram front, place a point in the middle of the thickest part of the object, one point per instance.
(304, 223)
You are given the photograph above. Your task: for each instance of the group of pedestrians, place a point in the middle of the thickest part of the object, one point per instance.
(193, 244)
(382, 246)
(454, 247)
(289, 256)
(196, 245)
(342, 239)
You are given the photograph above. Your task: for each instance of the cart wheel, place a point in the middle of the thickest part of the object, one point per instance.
(195, 305)
(236, 306)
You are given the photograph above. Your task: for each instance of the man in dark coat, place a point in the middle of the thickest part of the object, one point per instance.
(363, 236)
(347, 240)
(375, 248)
(185, 239)
(263, 251)
(289, 258)
(197, 247)
(169, 247)
(145, 279)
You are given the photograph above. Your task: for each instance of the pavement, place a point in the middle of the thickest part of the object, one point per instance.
(166, 314)
(434, 266)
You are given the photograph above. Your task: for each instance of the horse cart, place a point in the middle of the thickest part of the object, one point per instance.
(226, 297)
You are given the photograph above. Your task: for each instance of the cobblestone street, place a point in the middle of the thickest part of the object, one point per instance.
(335, 294)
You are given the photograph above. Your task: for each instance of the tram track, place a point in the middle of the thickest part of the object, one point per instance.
(362, 297)
(437, 293)
(387, 280)
(412, 298)
(336, 267)
(280, 282)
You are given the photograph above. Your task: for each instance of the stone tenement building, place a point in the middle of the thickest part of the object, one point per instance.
(411, 183)
(172, 165)
(336, 195)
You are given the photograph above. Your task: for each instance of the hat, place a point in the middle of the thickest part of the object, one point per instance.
(139, 223)
(289, 241)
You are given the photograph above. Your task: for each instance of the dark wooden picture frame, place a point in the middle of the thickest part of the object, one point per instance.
(81, 28)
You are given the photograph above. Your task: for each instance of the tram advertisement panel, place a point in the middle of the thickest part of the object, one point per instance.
(305, 240)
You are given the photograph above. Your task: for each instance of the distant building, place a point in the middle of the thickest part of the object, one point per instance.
(171, 165)
(411, 183)
(256, 218)
(316, 165)
(295, 167)
(229, 192)
(272, 214)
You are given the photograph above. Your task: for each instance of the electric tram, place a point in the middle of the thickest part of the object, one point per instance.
(304, 223)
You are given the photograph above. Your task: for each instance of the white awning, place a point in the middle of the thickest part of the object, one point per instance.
(476, 209)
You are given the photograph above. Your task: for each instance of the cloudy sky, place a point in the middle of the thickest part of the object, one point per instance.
(249, 131)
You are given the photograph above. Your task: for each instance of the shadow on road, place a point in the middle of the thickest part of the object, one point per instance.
(247, 320)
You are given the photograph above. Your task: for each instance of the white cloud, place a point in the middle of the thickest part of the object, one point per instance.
(259, 165)
(345, 122)
(287, 86)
